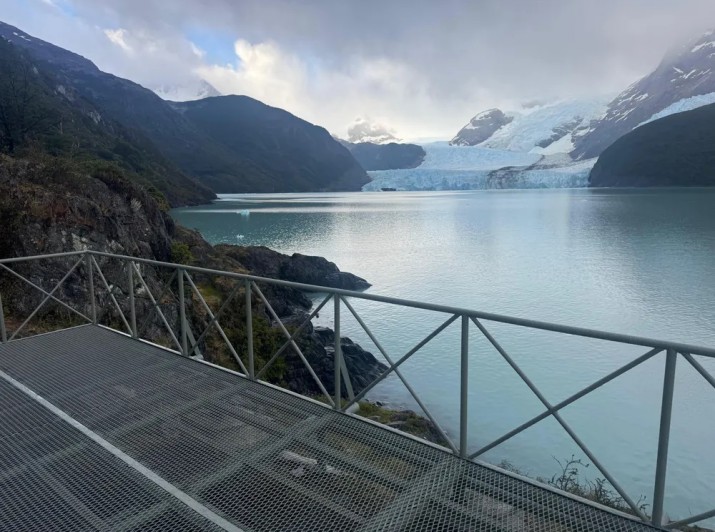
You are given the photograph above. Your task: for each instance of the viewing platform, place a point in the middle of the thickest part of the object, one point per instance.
(102, 429)
(103, 432)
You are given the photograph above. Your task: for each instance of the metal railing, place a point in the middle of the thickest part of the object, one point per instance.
(189, 344)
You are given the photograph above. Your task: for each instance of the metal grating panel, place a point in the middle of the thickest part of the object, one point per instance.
(257, 457)
(54, 478)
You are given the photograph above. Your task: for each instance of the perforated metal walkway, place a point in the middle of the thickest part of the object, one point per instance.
(102, 432)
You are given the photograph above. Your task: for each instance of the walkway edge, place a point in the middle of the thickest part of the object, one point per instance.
(131, 462)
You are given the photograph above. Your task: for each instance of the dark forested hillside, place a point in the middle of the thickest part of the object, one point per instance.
(39, 114)
(392, 156)
(273, 150)
(232, 144)
(673, 151)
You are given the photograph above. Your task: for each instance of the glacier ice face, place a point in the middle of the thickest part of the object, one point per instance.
(442, 156)
(468, 168)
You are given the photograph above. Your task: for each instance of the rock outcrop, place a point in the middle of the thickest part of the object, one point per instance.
(481, 127)
(361, 365)
(265, 262)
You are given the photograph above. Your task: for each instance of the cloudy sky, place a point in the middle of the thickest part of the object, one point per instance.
(423, 67)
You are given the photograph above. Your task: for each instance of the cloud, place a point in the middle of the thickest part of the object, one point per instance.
(118, 37)
(419, 66)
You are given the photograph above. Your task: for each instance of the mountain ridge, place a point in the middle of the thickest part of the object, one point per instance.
(190, 144)
(684, 72)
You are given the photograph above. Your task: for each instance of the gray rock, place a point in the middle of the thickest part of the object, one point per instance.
(481, 127)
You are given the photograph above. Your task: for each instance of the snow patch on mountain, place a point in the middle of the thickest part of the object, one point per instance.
(686, 104)
(194, 89)
(708, 44)
(365, 130)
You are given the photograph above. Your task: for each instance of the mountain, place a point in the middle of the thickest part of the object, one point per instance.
(39, 112)
(214, 143)
(683, 80)
(363, 130)
(481, 127)
(390, 156)
(274, 151)
(537, 128)
(195, 89)
(677, 150)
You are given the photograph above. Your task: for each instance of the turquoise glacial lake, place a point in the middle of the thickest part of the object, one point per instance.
(629, 261)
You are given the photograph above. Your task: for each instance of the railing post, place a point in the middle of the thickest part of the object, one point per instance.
(132, 305)
(182, 312)
(338, 353)
(249, 332)
(666, 410)
(464, 388)
(3, 331)
(90, 280)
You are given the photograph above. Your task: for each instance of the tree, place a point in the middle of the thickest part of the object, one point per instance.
(23, 112)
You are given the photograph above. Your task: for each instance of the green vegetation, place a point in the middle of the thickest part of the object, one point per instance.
(181, 254)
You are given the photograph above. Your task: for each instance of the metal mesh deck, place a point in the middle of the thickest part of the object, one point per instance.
(255, 456)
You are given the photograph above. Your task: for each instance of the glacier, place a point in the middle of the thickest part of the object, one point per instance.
(532, 128)
(472, 167)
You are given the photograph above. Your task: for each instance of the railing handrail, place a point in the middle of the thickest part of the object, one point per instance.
(181, 273)
(499, 318)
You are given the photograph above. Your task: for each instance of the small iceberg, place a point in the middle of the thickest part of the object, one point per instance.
(244, 212)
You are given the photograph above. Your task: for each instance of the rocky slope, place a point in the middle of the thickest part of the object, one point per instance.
(686, 75)
(673, 151)
(231, 144)
(50, 205)
(390, 156)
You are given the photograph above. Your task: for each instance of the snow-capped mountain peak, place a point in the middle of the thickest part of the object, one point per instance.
(683, 80)
(364, 130)
(193, 89)
(537, 128)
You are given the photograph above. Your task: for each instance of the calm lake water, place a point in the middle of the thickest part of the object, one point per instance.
(636, 262)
